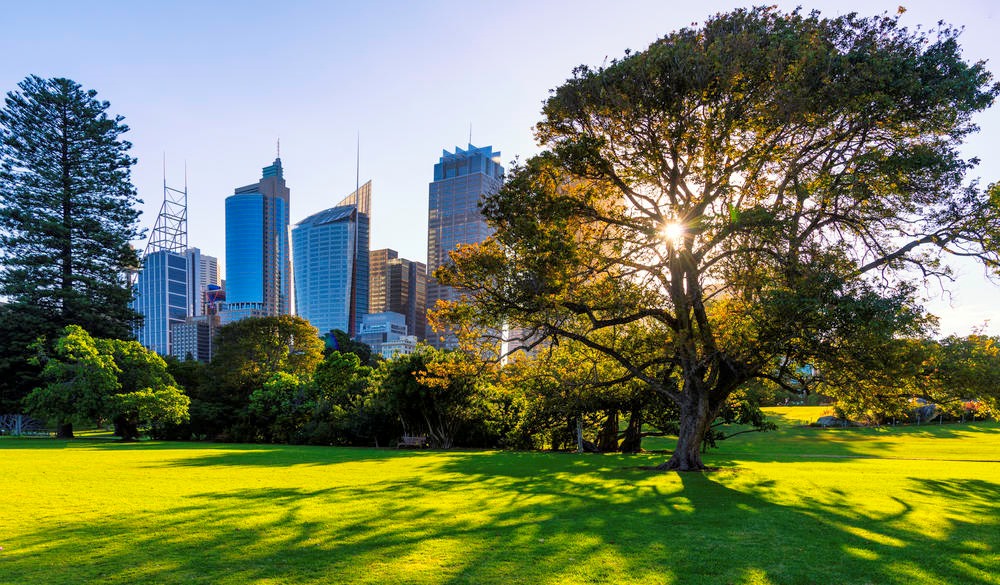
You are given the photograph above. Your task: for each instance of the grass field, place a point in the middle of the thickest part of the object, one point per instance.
(801, 505)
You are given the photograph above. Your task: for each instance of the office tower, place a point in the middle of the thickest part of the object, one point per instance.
(161, 284)
(203, 270)
(399, 285)
(258, 262)
(331, 264)
(461, 179)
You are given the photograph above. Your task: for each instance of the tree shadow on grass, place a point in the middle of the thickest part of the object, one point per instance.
(527, 518)
(285, 455)
(205, 454)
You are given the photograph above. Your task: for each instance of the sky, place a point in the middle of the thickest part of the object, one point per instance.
(211, 87)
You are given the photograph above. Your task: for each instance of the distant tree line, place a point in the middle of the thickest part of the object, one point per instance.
(273, 380)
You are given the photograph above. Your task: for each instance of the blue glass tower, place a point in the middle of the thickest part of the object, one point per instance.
(332, 265)
(161, 298)
(460, 181)
(258, 262)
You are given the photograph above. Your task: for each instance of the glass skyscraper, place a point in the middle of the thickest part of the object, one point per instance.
(161, 298)
(331, 264)
(460, 181)
(258, 262)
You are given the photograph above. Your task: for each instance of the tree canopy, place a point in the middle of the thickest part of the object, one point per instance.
(954, 376)
(250, 350)
(249, 353)
(433, 391)
(93, 380)
(757, 191)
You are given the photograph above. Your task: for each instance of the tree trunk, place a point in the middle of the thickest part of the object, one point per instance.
(66, 244)
(127, 428)
(607, 441)
(632, 442)
(565, 436)
(695, 418)
(64, 431)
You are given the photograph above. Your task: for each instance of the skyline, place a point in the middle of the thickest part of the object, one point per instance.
(218, 86)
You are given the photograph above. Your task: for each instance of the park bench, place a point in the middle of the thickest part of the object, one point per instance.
(414, 441)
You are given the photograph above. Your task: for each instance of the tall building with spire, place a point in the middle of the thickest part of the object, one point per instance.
(162, 283)
(330, 249)
(461, 179)
(258, 258)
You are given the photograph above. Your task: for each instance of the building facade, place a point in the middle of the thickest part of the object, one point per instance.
(161, 298)
(461, 179)
(378, 328)
(378, 264)
(402, 346)
(330, 250)
(193, 338)
(203, 271)
(386, 334)
(399, 285)
(258, 256)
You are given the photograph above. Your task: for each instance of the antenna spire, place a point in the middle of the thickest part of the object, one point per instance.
(357, 176)
(278, 152)
(470, 133)
(170, 230)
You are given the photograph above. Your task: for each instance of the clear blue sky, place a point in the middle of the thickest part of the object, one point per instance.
(216, 83)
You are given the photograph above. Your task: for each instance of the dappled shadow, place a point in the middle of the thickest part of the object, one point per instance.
(489, 517)
(765, 531)
(974, 493)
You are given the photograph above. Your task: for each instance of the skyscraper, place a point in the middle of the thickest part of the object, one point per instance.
(258, 262)
(399, 285)
(331, 264)
(461, 179)
(161, 298)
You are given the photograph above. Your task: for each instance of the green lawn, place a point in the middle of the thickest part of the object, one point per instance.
(802, 505)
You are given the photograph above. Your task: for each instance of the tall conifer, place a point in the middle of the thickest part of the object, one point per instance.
(67, 213)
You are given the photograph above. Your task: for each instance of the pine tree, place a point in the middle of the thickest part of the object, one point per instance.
(67, 213)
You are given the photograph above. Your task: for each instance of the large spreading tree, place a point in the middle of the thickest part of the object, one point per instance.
(763, 190)
(67, 214)
(105, 380)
